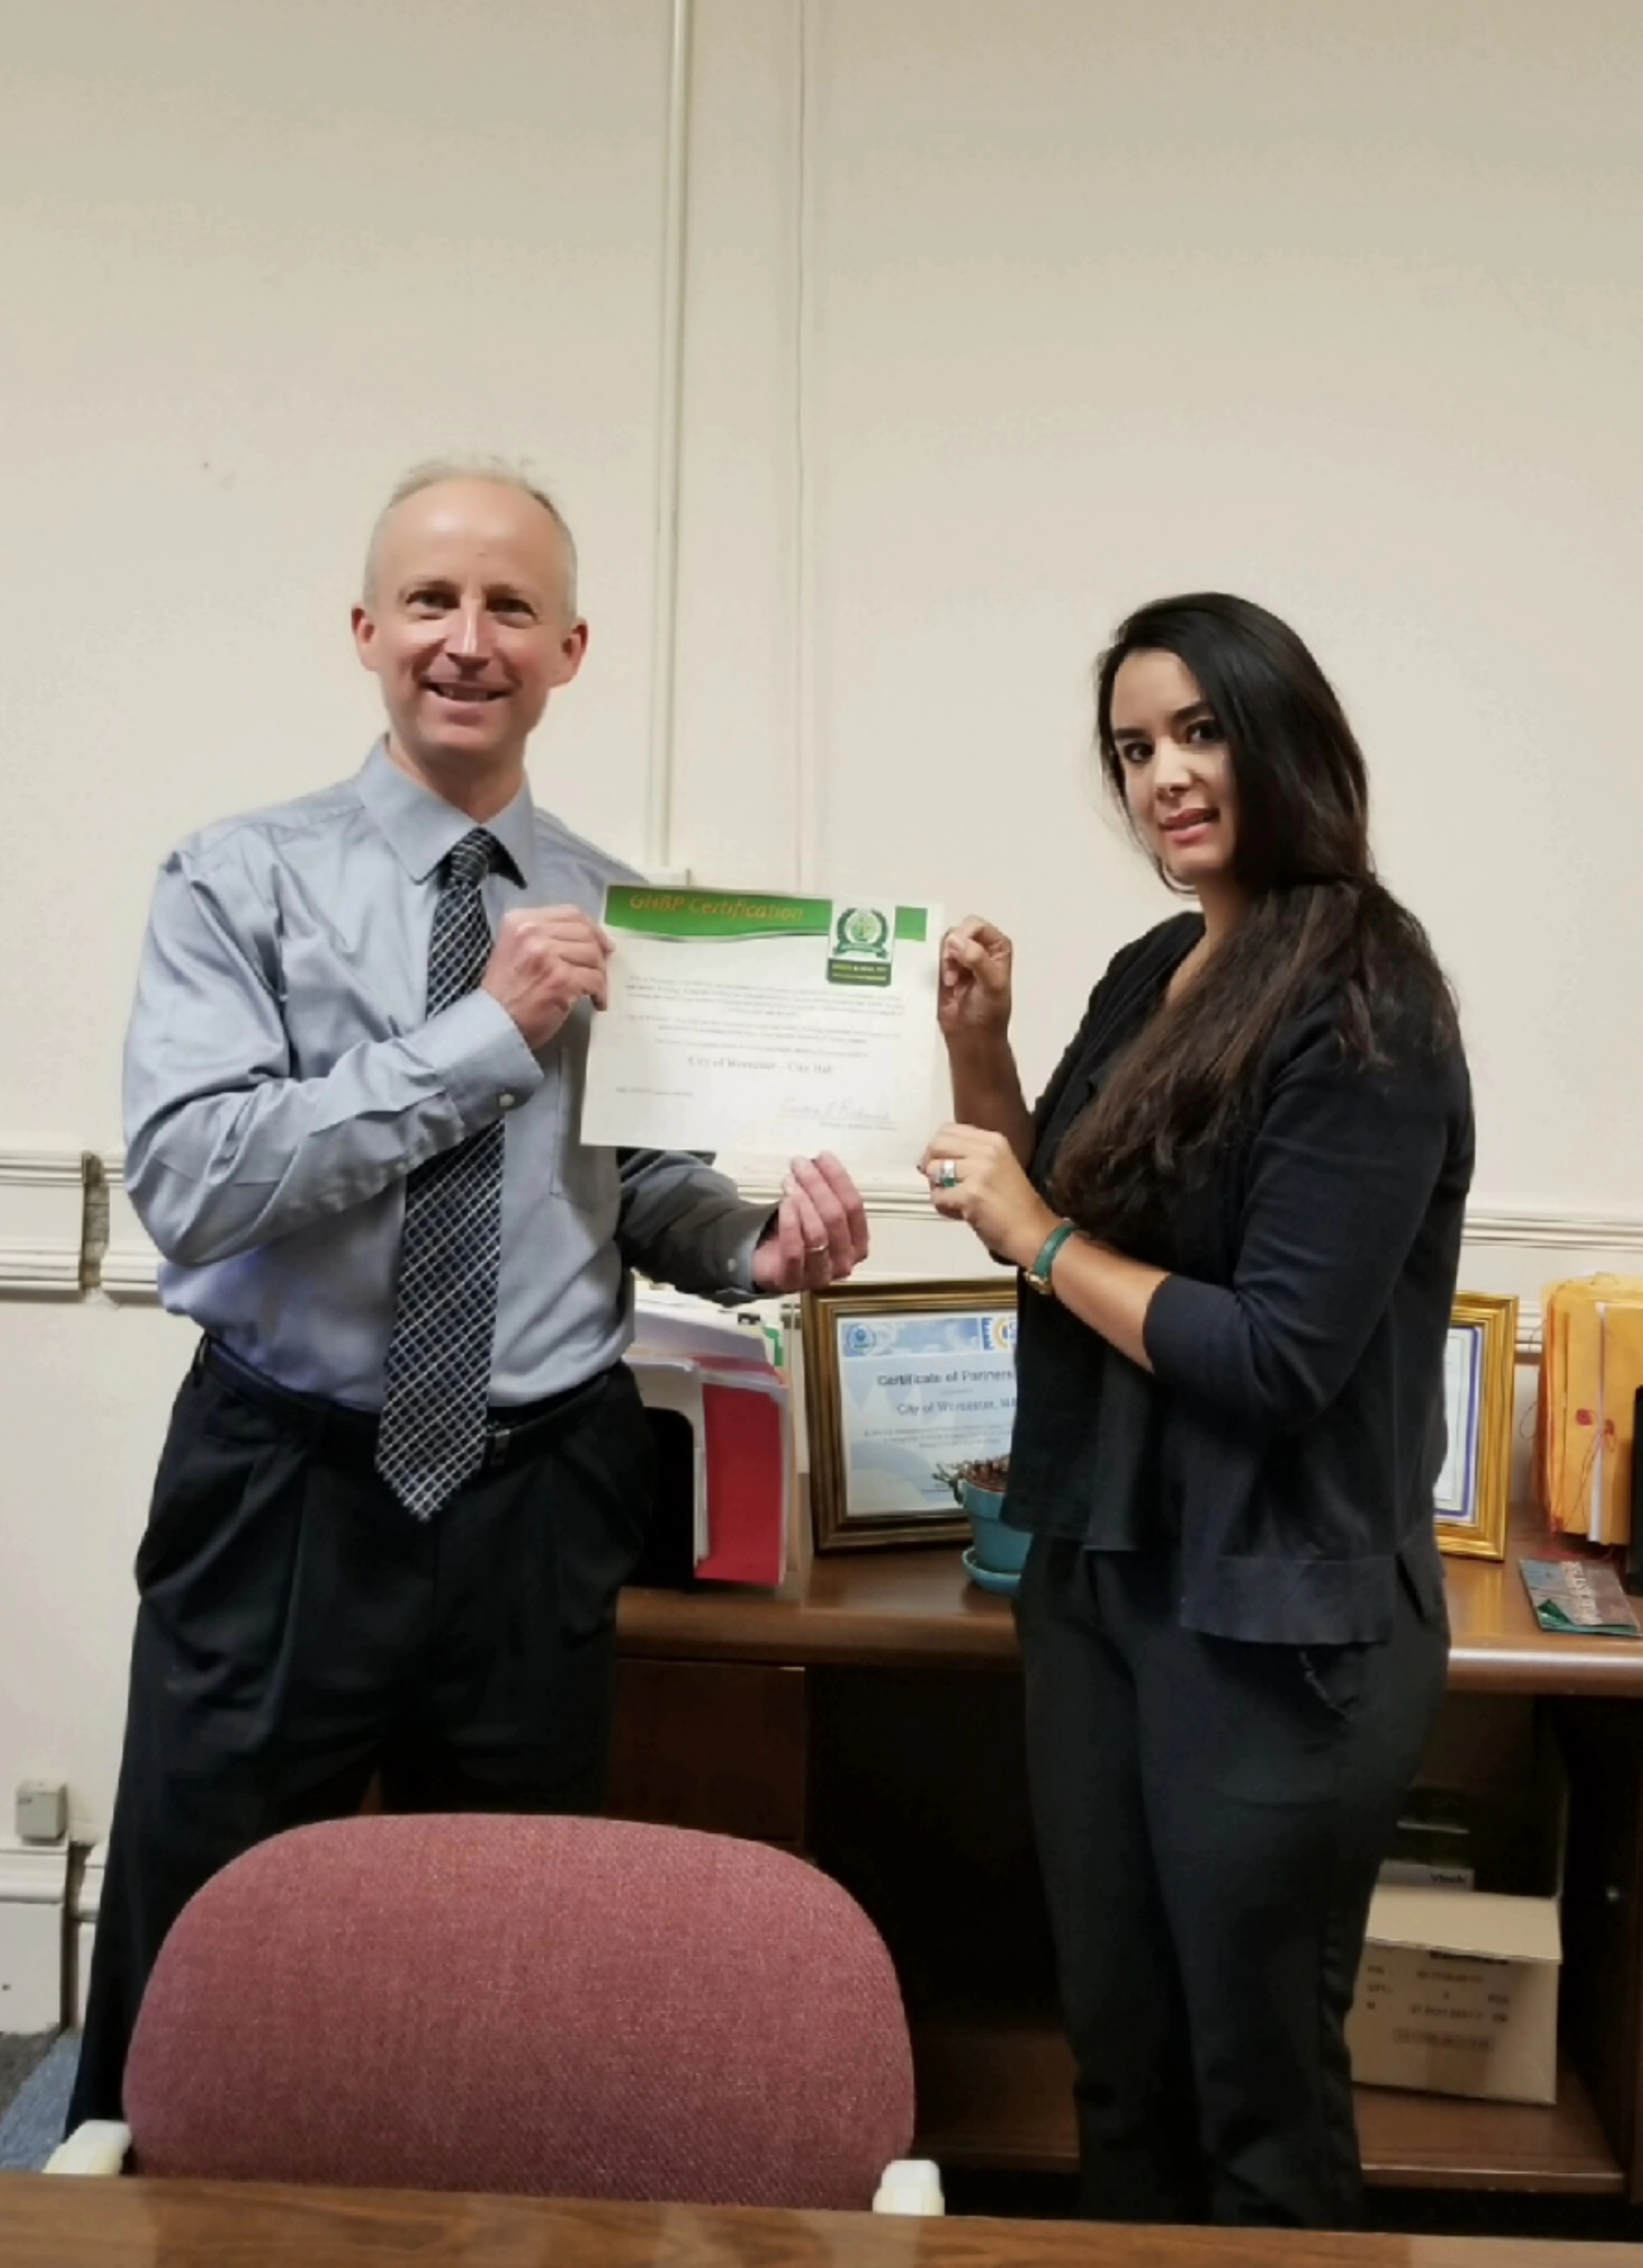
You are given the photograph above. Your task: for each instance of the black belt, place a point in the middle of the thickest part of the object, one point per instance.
(349, 1436)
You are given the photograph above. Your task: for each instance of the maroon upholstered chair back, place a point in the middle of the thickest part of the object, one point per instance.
(577, 2008)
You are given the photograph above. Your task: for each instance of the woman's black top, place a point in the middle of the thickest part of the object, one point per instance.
(1288, 1439)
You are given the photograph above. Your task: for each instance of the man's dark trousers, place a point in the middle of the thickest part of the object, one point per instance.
(298, 1631)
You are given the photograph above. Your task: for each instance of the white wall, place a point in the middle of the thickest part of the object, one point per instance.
(256, 261)
(1045, 311)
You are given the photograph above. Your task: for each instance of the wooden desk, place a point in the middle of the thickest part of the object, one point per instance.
(874, 1723)
(905, 1608)
(71, 2223)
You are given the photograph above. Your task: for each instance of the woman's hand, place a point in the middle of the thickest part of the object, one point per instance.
(973, 1002)
(976, 1176)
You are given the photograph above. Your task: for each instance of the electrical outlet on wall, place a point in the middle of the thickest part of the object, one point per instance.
(42, 1811)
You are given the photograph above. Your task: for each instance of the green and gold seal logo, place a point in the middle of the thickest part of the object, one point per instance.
(862, 939)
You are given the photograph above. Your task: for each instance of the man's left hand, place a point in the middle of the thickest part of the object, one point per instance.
(819, 1232)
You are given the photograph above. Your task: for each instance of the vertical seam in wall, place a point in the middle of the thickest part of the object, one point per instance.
(658, 812)
(805, 810)
(93, 1221)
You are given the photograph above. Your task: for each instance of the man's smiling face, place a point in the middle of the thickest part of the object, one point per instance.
(469, 622)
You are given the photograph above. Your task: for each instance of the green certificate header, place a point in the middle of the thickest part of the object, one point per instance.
(700, 914)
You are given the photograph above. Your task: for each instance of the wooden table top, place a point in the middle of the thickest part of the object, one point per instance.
(61, 2221)
(902, 1608)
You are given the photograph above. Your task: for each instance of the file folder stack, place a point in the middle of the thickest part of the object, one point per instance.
(1591, 1369)
(694, 1364)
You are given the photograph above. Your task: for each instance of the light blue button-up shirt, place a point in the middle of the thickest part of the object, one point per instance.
(283, 1077)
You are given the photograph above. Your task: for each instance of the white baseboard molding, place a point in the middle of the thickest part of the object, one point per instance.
(33, 1899)
(86, 1896)
(86, 1886)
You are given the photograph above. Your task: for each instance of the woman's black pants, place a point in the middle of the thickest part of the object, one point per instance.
(1210, 1815)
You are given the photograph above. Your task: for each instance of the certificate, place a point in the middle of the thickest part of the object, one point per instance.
(1470, 1497)
(903, 1383)
(769, 1027)
(1462, 1369)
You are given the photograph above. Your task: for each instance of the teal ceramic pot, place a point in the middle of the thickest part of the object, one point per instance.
(1001, 1549)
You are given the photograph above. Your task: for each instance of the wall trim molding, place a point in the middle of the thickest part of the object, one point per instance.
(1553, 1228)
(40, 1271)
(42, 1169)
(43, 1192)
(123, 1266)
(33, 1873)
(128, 1273)
(1547, 1227)
(127, 1266)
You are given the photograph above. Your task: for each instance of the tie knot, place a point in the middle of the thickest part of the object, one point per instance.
(473, 859)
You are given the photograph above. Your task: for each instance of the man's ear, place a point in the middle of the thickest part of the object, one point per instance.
(365, 629)
(572, 650)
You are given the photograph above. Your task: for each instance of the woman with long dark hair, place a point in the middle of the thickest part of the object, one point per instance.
(1237, 1211)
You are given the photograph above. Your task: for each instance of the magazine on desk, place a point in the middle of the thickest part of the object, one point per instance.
(1579, 1598)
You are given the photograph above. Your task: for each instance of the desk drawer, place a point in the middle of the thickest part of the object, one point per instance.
(718, 1745)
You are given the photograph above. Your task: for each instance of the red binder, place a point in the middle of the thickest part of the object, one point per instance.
(747, 1461)
(737, 1408)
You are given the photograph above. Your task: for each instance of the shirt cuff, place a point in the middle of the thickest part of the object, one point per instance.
(730, 1248)
(478, 1053)
(746, 1233)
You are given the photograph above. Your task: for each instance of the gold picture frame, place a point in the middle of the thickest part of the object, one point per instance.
(1473, 1496)
(903, 1382)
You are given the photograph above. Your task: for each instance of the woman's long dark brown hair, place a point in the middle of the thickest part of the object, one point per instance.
(1318, 924)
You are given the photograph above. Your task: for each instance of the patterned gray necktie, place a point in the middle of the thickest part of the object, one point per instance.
(437, 1381)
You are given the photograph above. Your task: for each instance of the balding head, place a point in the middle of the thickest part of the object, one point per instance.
(436, 473)
(469, 623)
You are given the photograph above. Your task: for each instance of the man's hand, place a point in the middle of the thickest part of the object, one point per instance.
(819, 1232)
(545, 959)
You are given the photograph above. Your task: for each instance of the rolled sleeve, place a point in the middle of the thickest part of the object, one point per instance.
(686, 1224)
(1342, 1168)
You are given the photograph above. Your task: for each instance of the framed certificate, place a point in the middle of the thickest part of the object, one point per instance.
(1474, 1488)
(904, 1382)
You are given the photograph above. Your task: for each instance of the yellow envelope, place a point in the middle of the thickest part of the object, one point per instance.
(1591, 1367)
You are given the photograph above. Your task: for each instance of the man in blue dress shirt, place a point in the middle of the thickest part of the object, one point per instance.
(407, 1474)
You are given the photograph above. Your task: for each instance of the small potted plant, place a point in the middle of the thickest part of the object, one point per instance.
(997, 1553)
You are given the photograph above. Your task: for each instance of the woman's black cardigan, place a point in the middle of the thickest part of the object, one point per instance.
(1297, 1346)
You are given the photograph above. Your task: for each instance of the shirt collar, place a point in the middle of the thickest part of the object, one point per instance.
(422, 828)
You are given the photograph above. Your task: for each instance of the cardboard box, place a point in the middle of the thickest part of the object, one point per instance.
(1457, 1992)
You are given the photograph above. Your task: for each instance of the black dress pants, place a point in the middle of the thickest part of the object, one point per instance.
(298, 1631)
(1210, 1816)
